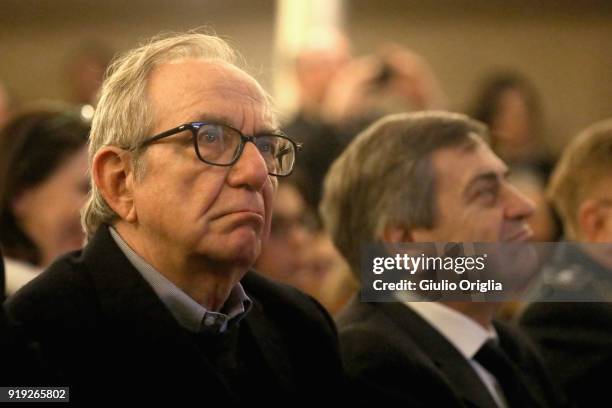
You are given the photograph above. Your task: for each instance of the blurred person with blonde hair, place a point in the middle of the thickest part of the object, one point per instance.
(571, 314)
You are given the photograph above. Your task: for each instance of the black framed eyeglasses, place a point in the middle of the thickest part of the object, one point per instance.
(222, 145)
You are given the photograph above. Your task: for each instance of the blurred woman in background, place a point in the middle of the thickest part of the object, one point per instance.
(508, 103)
(43, 184)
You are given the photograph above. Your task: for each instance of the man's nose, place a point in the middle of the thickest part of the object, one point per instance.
(519, 205)
(250, 169)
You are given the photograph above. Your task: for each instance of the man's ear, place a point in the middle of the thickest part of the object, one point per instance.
(113, 174)
(590, 220)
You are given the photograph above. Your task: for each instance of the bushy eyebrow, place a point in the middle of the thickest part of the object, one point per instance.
(489, 176)
(226, 120)
(215, 118)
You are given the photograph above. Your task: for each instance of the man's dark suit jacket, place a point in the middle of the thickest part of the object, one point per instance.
(105, 329)
(21, 362)
(393, 357)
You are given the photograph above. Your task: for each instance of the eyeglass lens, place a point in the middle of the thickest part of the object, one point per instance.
(219, 144)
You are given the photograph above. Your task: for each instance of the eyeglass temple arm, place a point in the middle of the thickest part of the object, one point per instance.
(164, 134)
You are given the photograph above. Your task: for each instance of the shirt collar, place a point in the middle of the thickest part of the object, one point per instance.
(189, 313)
(462, 332)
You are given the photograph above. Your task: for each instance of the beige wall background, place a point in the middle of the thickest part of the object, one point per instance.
(563, 46)
(36, 36)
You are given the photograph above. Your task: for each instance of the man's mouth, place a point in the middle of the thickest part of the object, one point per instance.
(525, 234)
(250, 217)
(245, 212)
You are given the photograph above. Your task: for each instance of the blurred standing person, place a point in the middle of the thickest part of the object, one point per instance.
(85, 70)
(43, 184)
(393, 80)
(341, 95)
(316, 66)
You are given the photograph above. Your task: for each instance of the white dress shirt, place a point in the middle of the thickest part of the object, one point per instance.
(18, 273)
(466, 335)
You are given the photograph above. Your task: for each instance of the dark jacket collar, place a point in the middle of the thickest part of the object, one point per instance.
(454, 367)
(128, 300)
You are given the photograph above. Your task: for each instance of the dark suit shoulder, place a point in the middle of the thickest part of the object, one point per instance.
(61, 295)
(386, 366)
(303, 332)
(285, 302)
(368, 349)
(366, 332)
(356, 313)
(524, 353)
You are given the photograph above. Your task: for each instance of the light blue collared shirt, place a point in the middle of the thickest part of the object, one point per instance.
(190, 314)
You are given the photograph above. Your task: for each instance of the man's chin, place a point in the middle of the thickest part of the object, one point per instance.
(239, 248)
(243, 252)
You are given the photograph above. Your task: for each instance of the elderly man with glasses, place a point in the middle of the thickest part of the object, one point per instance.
(160, 304)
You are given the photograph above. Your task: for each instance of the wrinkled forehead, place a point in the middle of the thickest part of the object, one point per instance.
(222, 76)
(180, 84)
